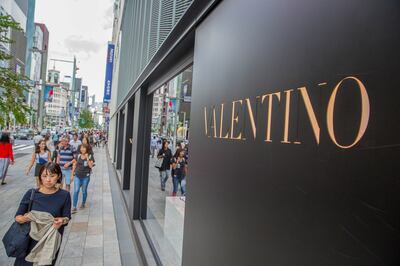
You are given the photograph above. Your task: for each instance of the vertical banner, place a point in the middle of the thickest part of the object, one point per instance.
(48, 93)
(109, 72)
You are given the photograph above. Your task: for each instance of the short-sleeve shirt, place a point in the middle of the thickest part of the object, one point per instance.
(66, 156)
(75, 145)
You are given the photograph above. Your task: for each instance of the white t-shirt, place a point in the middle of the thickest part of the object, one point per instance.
(75, 144)
(37, 139)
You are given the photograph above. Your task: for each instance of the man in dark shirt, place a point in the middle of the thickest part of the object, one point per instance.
(165, 169)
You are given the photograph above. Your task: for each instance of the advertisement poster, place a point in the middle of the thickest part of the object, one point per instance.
(48, 94)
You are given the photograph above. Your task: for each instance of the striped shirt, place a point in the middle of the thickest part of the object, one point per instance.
(66, 155)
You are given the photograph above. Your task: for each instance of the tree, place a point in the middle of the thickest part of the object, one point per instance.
(12, 85)
(86, 119)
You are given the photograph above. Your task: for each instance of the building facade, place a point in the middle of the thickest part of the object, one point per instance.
(56, 97)
(283, 108)
(38, 69)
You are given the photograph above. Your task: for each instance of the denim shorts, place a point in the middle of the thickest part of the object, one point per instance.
(67, 175)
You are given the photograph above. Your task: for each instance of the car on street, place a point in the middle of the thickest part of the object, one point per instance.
(24, 134)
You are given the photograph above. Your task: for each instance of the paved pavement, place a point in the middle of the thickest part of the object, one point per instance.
(91, 237)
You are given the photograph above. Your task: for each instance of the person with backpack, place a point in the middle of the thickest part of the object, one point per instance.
(81, 175)
(40, 157)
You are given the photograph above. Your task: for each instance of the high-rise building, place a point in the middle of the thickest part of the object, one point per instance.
(38, 69)
(18, 10)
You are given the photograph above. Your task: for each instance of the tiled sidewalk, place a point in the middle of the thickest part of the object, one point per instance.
(91, 237)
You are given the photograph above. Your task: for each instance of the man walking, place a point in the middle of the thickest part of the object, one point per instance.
(65, 159)
(37, 138)
(75, 143)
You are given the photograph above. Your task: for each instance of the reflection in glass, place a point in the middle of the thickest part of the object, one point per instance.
(167, 172)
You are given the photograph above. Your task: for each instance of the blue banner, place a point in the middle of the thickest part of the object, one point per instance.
(109, 72)
(48, 93)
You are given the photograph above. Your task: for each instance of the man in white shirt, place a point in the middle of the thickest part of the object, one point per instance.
(37, 138)
(75, 143)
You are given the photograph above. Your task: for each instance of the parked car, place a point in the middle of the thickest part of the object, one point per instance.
(25, 134)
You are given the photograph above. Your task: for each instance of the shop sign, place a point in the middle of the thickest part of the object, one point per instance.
(215, 128)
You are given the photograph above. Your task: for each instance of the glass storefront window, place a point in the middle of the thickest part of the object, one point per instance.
(168, 167)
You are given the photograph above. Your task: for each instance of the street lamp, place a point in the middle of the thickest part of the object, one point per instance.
(74, 69)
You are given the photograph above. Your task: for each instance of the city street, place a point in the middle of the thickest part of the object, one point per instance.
(91, 236)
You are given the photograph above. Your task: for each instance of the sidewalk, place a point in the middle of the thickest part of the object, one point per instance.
(91, 236)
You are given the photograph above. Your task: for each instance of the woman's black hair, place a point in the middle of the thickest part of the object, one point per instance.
(52, 168)
(5, 138)
(163, 144)
(37, 147)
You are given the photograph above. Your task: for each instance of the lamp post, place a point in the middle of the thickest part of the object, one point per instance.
(74, 69)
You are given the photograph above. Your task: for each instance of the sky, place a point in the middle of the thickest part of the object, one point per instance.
(81, 28)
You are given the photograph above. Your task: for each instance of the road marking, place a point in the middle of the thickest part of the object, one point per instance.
(18, 146)
(25, 148)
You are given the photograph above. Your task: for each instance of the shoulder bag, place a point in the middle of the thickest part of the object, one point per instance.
(158, 163)
(16, 240)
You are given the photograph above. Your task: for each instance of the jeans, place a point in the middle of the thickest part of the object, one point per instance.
(164, 175)
(67, 175)
(78, 182)
(176, 180)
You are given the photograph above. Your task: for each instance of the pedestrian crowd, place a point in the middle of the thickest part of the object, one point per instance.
(58, 159)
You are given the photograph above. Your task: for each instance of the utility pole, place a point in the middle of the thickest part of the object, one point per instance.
(74, 69)
(73, 91)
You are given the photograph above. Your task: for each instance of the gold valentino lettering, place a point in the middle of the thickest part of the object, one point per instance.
(236, 132)
(235, 120)
(269, 115)
(364, 113)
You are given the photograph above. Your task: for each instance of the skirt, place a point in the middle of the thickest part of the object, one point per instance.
(37, 169)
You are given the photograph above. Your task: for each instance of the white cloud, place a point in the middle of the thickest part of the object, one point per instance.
(79, 28)
(78, 44)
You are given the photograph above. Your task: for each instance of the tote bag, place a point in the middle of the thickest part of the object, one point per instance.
(16, 240)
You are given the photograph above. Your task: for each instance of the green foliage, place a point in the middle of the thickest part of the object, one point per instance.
(12, 85)
(86, 119)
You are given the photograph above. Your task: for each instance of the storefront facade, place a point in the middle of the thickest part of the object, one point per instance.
(288, 113)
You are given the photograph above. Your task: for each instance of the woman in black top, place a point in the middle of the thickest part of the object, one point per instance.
(85, 140)
(179, 165)
(48, 198)
(165, 169)
(81, 175)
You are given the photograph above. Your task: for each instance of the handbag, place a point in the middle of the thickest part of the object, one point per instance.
(158, 163)
(16, 240)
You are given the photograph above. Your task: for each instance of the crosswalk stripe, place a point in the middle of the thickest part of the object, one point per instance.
(18, 146)
(25, 148)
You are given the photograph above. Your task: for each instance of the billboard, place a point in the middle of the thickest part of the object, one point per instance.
(109, 72)
(48, 93)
